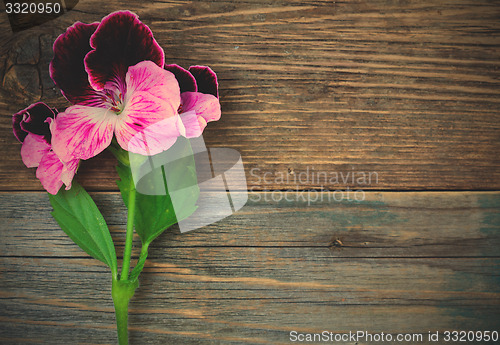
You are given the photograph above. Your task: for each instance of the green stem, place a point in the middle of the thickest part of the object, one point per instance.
(122, 292)
(140, 262)
(127, 252)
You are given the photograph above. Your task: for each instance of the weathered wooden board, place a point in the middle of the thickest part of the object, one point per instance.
(406, 90)
(409, 90)
(388, 224)
(407, 262)
(210, 302)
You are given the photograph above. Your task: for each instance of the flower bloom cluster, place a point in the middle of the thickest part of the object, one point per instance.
(115, 77)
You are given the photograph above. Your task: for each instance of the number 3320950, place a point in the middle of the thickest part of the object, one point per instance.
(470, 336)
(32, 8)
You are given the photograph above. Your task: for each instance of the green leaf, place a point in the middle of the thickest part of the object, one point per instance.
(79, 217)
(155, 213)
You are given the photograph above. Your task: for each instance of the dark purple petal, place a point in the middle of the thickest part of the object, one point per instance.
(16, 127)
(186, 81)
(206, 79)
(33, 120)
(67, 69)
(120, 41)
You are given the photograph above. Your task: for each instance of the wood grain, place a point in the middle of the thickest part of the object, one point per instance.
(406, 262)
(388, 224)
(407, 89)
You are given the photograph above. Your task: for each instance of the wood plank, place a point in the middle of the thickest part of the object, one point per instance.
(388, 224)
(193, 299)
(408, 90)
(409, 262)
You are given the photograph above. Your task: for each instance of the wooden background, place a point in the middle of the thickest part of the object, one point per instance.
(405, 89)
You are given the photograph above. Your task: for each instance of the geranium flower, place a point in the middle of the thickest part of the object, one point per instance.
(32, 128)
(113, 74)
(199, 97)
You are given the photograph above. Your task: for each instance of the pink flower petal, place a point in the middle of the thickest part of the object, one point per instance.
(51, 172)
(149, 123)
(148, 77)
(120, 41)
(68, 172)
(82, 132)
(194, 124)
(198, 109)
(33, 149)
